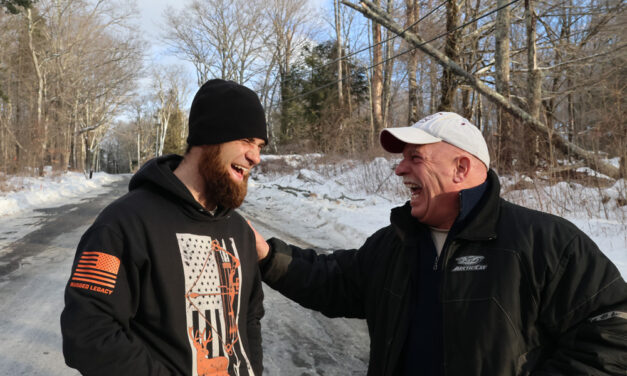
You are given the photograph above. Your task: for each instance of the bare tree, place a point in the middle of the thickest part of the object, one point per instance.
(291, 30)
(222, 38)
(169, 91)
(82, 62)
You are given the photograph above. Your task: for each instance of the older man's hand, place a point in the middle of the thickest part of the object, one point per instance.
(262, 247)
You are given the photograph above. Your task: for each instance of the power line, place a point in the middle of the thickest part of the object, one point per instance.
(397, 55)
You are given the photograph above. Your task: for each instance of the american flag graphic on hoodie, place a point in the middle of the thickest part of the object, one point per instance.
(97, 268)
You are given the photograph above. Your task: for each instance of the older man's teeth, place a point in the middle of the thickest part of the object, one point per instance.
(414, 188)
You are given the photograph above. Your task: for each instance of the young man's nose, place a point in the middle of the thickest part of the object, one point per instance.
(254, 155)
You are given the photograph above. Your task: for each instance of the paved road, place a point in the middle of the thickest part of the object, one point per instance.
(35, 268)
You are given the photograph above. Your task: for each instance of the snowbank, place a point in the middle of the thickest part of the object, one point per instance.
(24, 193)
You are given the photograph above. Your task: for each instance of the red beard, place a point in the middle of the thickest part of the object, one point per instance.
(219, 187)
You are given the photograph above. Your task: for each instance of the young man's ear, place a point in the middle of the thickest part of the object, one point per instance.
(462, 169)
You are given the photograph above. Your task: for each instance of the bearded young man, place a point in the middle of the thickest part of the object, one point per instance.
(166, 282)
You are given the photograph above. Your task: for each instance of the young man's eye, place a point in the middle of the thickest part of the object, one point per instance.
(253, 141)
(249, 141)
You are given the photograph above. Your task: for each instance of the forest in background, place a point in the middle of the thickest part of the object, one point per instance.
(543, 80)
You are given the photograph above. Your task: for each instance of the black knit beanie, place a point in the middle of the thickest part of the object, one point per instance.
(225, 111)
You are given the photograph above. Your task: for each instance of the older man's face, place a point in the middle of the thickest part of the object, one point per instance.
(428, 172)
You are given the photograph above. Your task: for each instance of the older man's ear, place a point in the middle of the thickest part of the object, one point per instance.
(462, 169)
(469, 171)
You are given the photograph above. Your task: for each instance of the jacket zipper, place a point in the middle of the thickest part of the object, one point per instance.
(452, 248)
(437, 257)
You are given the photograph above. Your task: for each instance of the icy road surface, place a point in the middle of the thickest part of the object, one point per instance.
(36, 252)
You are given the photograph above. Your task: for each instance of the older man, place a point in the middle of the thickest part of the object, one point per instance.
(166, 281)
(463, 282)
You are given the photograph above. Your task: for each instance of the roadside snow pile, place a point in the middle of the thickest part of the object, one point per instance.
(329, 203)
(572, 199)
(23, 193)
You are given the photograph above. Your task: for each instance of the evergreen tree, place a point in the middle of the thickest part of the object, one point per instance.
(12, 6)
(310, 108)
(175, 142)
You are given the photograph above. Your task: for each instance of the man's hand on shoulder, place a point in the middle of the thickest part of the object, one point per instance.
(262, 246)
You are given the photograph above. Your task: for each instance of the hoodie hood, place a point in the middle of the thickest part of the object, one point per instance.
(158, 174)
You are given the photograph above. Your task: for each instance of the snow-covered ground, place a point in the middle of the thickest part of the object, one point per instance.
(339, 203)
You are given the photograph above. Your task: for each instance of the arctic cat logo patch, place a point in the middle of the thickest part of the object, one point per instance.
(470, 264)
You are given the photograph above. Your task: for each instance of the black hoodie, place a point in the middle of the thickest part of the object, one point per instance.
(159, 286)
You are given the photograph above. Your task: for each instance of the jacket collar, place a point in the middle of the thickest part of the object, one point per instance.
(480, 222)
(479, 213)
(403, 222)
(468, 200)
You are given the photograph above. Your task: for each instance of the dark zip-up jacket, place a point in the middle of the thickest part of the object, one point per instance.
(521, 293)
(159, 286)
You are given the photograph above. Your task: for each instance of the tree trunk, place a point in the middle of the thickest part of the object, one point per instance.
(467, 104)
(349, 91)
(388, 69)
(451, 50)
(86, 155)
(505, 154)
(534, 76)
(138, 151)
(338, 34)
(433, 85)
(40, 126)
(377, 80)
(370, 98)
(469, 97)
(412, 13)
(623, 163)
(284, 119)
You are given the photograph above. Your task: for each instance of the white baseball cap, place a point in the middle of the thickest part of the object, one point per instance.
(441, 126)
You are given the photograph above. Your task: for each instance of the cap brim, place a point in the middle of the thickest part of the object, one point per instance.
(394, 140)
